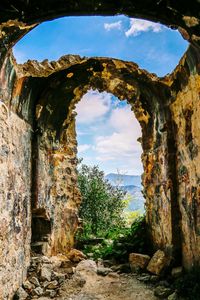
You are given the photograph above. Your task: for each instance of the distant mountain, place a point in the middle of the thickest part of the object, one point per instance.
(132, 185)
(131, 188)
(124, 180)
(137, 199)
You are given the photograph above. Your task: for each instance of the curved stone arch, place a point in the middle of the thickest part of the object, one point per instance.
(143, 90)
(146, 94)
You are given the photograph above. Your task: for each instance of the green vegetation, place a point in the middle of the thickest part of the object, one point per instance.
(119, 243)
(102, 204)
(106, 230)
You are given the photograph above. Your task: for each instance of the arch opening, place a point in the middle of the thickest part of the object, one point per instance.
(151, 45)
(62, 91)
(107, 135)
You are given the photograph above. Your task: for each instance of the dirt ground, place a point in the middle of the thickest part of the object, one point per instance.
(90, 286)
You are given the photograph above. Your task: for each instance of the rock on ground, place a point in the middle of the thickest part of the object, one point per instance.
(138, 261)
(158, 262)
(87, 266)
(162, 292)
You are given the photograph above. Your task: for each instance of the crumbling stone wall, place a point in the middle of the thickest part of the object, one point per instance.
(15, 199)
(38, 144)
(56, 186)
(15, 188)
(149, 97)
(185, 112)
(60, 92)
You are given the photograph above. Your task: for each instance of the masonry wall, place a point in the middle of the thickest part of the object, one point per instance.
(186, 112)
(171, 166)
(158, 188)
(36, 162)
(158, 109)
(39, 181)
(15, 216)
(57, 193)
(39, 198)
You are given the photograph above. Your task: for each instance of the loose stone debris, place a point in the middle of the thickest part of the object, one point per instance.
(73, 277)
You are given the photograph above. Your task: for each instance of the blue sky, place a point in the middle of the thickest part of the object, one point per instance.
(102, 139)
(107, 134)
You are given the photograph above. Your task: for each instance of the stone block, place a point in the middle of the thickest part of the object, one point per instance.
(158, 262)
(53, 285)
(45, 273)
(38, 291)
(35, 281)
(138, 261)
(87, 266)
(76, 255)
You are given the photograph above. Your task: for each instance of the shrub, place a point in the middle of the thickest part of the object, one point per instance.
(132, 239)
(118, 243)
(102, 204)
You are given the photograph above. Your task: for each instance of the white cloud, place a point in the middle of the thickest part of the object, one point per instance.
(116, 146)
(111, 26)
(122, 143)
(138, 26)
(113, 139)
(123, 119)
(83, 147)
(93, 105)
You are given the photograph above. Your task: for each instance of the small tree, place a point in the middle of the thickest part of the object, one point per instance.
(102, 204)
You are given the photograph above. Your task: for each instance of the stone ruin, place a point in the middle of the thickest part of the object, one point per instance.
(38, 183)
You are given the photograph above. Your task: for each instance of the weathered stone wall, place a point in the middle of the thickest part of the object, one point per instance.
(152, 100)
(15, 199)
(171, 177)
(148, 96)
(57, 194)
(158, 188)
(186, 111)
(47, 102)
(39, 197)
(38, 157)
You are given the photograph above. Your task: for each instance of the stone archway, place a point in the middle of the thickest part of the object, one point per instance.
(54, 128)
(168, 110)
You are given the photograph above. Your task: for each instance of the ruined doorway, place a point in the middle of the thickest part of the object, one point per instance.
(128, 32)
(108, 135)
